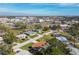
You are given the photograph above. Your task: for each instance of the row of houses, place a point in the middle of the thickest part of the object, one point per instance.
(28, 33)
(21, 36)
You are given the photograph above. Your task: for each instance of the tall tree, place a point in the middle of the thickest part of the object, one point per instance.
(45, 28)
(6, 49)
(21, 25)
(10, 37)
(38, 26)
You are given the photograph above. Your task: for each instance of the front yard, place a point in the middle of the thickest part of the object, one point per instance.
(64, 33)
(45, 37)
(26, 47)
(33, 36)
(21, 40)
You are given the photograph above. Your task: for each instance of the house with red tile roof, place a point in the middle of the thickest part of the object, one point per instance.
(39, 44)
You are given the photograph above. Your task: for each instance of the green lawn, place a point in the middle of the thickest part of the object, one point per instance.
(64, 33)
(33, 36)
(14, 44)
(46, 37)
(46, 31)
(57, 51)
(13, 53)
(25, 47)
(17, 31)
(41, 32)
(21, 41)
(77, 46)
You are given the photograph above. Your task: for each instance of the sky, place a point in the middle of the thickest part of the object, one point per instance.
(39, 9)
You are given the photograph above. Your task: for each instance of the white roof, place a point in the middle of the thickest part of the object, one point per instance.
(30, 32)
(21, 35)
(1, 38)
(64, 25)
(61, 38)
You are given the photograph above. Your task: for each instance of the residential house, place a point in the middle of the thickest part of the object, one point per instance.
(62, 39)
(39, 44)
(21, 36)
(2, 33)
(31, 33)
(64, 26)
(36, 47)
(4, 19)
(41, 20)
(37, 30)
(1, 40)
